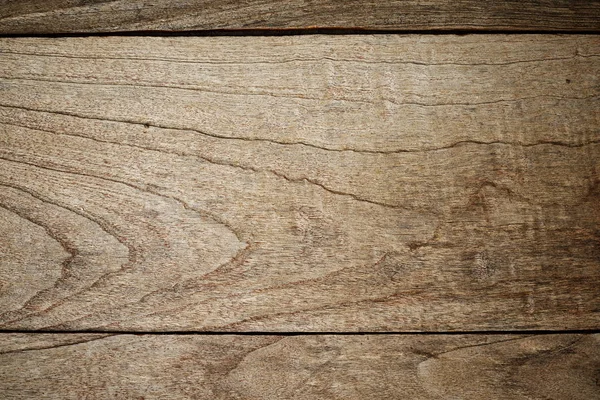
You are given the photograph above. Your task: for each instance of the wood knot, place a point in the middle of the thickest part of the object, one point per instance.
(484, 268)
(315, 228)
(395, 268)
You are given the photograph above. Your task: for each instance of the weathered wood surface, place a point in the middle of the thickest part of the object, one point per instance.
(550, 367)
(375, 183)
(61, 16)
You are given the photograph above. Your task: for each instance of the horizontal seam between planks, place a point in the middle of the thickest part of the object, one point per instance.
(309, 333)
(315, 31)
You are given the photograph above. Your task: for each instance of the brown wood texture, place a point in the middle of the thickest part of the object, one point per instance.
(60, 16)
(322, 183)
(416, 367)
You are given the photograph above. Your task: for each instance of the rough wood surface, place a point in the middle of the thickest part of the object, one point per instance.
(416, 367)
(389, 183)
(60, 16)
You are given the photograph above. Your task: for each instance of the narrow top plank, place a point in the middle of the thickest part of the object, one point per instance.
(71, 16)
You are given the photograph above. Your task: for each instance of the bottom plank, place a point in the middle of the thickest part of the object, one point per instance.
(97, 366)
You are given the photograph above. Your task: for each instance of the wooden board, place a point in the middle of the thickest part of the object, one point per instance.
(60, 16)
(345, 183)
(551, 367)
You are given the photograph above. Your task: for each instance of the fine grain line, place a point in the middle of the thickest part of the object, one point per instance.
(298, 143)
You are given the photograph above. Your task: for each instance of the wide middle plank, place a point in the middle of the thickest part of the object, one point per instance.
(374, 183)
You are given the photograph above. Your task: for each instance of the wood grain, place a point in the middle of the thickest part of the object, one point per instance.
(550, 367)
(62, 16)
(322, 183)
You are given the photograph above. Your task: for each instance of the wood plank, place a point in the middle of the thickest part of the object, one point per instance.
(62, 16)
(550, 367)
(345, 183)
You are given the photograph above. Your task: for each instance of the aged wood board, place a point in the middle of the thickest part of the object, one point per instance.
(62, 16)
(302, 183)
(417, 367)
